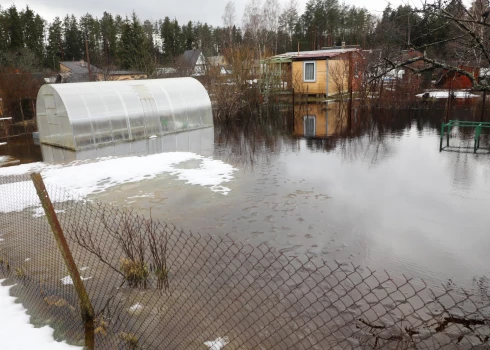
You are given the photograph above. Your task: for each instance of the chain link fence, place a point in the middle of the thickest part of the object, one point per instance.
(156, 286)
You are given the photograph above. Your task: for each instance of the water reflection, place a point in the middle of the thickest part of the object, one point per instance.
(200, 141)
(367, 187)
(320, 120)
(19, 150)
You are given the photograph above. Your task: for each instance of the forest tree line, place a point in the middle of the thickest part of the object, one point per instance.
(29, 42)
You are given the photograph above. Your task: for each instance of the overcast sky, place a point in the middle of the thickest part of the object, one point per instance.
(209, 11)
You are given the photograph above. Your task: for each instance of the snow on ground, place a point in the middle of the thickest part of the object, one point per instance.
(86, 178)
(68, 280)
(16, 333)
(217, 344)
(445, 94)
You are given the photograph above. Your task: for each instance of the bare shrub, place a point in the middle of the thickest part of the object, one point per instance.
(235, 91)
(143, 243)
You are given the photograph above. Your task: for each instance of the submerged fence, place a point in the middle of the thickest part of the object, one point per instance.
(155, 286)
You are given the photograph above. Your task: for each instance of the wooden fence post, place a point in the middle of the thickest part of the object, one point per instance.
(85, 304)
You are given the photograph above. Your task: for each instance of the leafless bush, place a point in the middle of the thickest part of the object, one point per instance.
(235, 91)
(142, 242)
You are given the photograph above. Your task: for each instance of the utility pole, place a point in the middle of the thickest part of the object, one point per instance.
(88, 61)
(61, 47)
(408, 30)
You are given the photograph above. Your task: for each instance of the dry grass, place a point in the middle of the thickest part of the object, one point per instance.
(136, 273)
(130, 340)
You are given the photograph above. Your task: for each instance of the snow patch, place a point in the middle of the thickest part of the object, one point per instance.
(445, 94)
(39, 212)
(17, 333)
(85, 178)
(217, 344)
(68, 280)
(136, 307)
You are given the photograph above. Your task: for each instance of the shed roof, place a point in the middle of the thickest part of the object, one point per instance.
(324, 53)
(191, 57)
(79, 67)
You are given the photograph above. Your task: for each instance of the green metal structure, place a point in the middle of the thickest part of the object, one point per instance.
(472, 124)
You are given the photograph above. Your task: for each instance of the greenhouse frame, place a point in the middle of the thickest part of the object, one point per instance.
(77, 116)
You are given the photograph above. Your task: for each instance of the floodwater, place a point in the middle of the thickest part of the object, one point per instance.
(374, 191)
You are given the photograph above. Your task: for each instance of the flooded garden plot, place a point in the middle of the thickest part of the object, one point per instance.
(323, 206)
(194, 289)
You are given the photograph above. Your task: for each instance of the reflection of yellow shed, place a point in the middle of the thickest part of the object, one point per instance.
(319, 120)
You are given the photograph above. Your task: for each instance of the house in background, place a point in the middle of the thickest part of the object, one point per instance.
(78, 71)
(327, 72)
(455, 81)
(166, 72)
(192, 63)
(113, 75)
(219, 63)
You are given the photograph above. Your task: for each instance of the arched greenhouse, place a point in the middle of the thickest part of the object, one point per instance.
(83, 115)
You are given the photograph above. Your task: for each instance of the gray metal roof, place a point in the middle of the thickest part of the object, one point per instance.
(79, 67)
(191, 57)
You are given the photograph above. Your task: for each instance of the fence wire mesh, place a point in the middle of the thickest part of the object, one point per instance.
(156, 286)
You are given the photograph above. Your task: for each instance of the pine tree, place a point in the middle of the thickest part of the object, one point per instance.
(14, 29)
(73, 45)
(33, 32)
(54, 44)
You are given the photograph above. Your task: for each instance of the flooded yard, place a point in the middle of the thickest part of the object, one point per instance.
(377, 193)
(380, 195)
(324, 198)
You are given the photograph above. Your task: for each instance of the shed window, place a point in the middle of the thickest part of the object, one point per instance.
(309, 69)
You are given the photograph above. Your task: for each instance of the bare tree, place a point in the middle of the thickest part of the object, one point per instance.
(229, 20)
(287, 20)
(253, 24)
(468, 40)
(271, 12)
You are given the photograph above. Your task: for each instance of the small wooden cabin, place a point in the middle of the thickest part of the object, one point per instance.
(327, 72)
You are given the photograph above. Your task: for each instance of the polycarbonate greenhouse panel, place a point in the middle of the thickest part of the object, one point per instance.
(84, 115)
(200, 141)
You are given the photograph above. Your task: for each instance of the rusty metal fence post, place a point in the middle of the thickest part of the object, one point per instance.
(86, 308)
